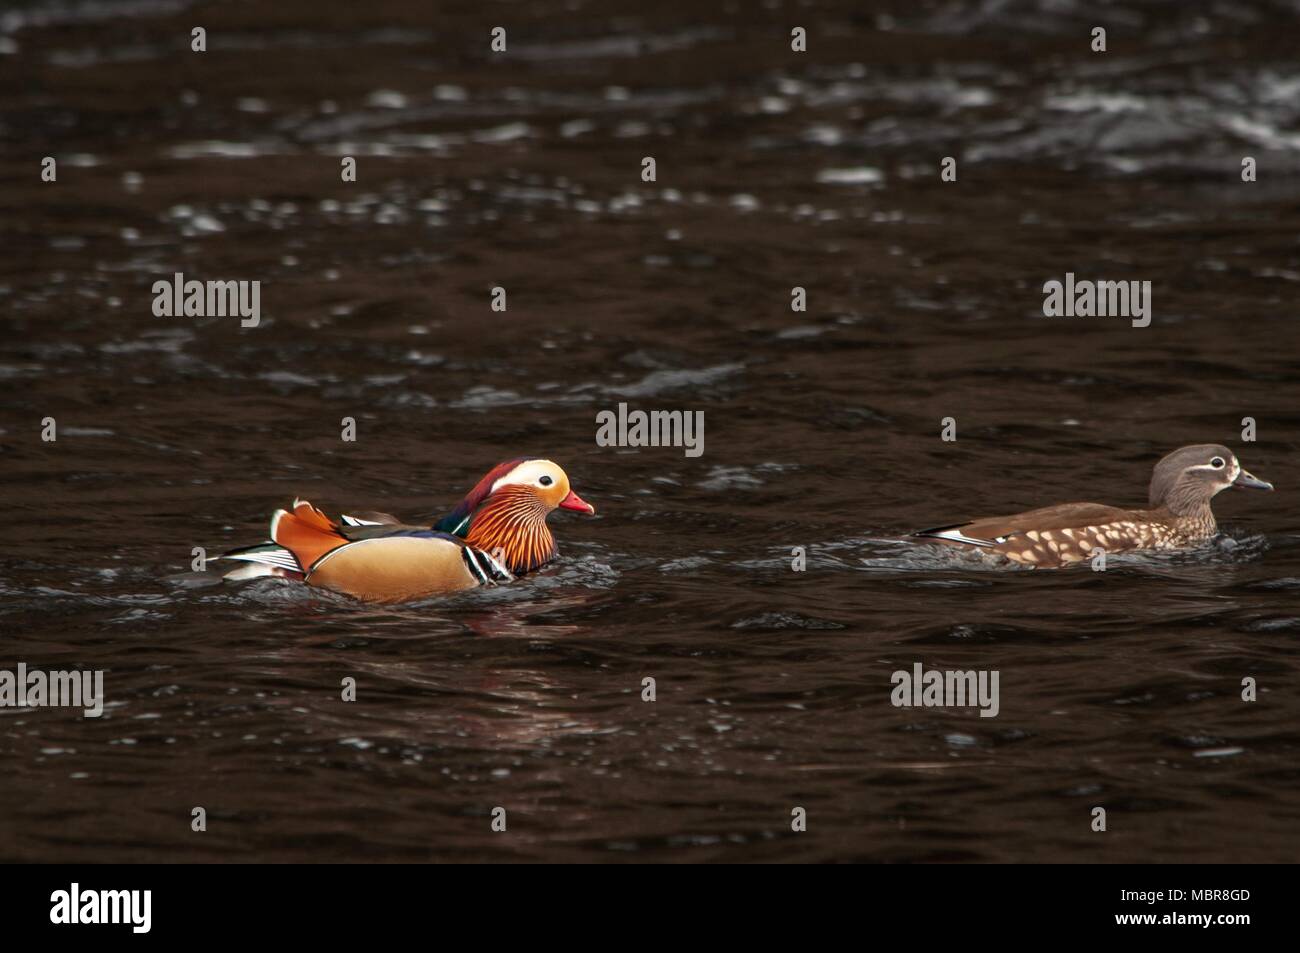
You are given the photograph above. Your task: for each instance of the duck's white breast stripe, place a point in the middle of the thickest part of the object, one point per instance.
(472, 563)
(474, 559)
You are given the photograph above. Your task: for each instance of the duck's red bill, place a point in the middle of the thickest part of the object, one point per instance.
(575, 502)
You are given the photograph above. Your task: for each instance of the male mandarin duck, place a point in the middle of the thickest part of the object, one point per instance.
(497, 532)
(1181, 488)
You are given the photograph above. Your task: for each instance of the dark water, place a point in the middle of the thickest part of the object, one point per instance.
(775, 169)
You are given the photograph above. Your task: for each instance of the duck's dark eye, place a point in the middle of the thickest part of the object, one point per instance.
(545, 481)
(1217, 463)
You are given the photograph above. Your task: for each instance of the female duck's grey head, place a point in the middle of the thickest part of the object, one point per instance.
(1187, 479)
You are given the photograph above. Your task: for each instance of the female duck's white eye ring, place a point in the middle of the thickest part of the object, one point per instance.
(545, 480)
(1217, 463)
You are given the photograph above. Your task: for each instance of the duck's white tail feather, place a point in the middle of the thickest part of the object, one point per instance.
(258, 571)
(265, 560)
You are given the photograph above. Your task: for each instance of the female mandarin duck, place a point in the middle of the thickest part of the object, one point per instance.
(1181, 488)
(497, 532)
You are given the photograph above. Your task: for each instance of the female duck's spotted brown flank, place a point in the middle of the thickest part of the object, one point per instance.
(497, 532)
(1182, 486)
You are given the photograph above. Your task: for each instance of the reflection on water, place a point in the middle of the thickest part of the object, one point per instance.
(775, 170)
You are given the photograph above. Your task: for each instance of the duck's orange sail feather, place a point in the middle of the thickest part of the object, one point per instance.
(306, 532)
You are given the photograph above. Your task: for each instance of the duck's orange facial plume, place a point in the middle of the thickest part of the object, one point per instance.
(512, 526)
